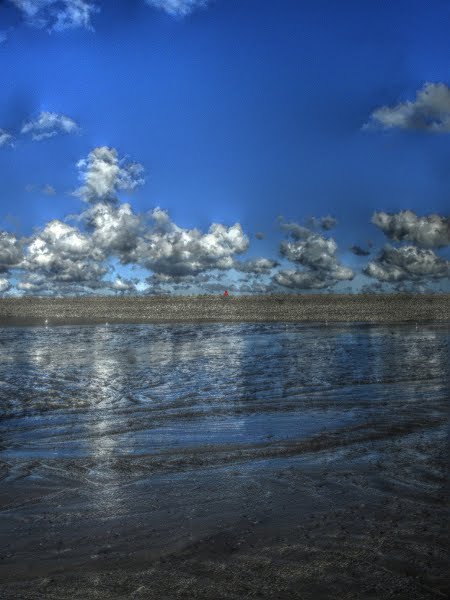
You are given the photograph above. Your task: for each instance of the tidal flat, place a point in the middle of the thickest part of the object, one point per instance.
(224, 460)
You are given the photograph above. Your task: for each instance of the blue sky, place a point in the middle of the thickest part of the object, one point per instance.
(239, 111)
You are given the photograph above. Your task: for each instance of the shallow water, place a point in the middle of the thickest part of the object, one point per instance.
(123, 389)
(119, 436)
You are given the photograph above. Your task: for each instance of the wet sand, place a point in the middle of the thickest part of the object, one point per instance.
(351, 308)
(224, 462)
(364, 520)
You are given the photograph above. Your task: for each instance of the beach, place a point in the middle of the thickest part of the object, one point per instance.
(224, 461)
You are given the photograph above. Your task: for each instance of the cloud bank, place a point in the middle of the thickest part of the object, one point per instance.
(64, 258)
(97, 249)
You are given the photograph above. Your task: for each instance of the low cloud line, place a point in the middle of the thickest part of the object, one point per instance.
(85, 252)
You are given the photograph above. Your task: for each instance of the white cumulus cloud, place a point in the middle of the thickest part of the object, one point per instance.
(48, 125)
(256, 266)
(316, 254)
(57, 15)
(60, 253)
(4, 285)
(300, 280)
(178, 8)
(431, 231)
(168, 249)
(115, 228)
(407, 263)
(429, 112)
(11, 251)
(123, 286)
(103, 174)
(5, 138)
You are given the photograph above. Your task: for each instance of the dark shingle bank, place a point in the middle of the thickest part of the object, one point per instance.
(289, 308)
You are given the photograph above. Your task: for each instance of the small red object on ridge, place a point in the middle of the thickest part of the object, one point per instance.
(226, 294)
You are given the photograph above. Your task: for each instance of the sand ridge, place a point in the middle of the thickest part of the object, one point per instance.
(352, 308)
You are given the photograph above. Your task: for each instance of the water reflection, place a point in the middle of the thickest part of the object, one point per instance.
(114, 390)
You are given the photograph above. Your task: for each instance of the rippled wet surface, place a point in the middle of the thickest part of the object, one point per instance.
(139, 389)
(180, 432)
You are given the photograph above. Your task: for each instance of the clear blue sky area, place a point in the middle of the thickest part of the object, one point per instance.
(239, 111)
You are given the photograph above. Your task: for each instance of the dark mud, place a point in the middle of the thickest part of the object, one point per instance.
(224, 461)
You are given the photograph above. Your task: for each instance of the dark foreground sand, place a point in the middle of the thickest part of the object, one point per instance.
(363, 518)
(290, 308)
